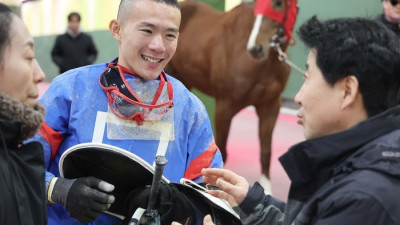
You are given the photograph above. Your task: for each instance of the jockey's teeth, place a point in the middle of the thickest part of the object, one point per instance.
(151, 60)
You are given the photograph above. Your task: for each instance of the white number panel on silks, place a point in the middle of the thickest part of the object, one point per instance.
(117, 129)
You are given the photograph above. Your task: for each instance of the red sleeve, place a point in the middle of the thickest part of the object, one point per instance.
(53, 137)
(202, 161)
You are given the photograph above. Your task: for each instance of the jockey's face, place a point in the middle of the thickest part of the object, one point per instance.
(147, 37)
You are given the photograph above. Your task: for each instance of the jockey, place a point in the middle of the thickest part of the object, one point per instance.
(129, 103)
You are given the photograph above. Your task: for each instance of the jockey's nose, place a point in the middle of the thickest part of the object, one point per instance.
(157, 43)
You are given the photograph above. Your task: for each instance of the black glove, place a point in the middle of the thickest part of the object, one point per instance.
(171, 204)
(84, 198)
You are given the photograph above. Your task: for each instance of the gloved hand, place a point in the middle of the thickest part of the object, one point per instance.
(84, 198)
(171, 204)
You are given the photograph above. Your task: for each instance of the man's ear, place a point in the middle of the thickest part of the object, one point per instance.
(351, 93)
(114, 28)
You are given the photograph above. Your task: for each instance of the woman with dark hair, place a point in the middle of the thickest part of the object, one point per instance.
(22, 186)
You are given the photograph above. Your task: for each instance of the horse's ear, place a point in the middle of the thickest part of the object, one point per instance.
(115, 27)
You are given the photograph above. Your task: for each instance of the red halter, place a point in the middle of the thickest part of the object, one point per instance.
(287, 18)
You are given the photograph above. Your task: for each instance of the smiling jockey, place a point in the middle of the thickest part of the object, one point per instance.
(129, 103)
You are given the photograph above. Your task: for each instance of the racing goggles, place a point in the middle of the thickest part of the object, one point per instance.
(126, 104)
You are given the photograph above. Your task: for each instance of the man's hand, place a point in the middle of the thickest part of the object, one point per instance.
(233, 187)
(84, 198)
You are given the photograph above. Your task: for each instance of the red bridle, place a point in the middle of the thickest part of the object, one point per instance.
(286, 18)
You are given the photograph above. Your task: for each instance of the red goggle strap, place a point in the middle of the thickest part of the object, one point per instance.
(151, 106)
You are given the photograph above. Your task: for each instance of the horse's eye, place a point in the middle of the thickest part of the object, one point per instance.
(278, 3)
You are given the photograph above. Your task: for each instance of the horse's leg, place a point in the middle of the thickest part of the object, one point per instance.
(267, 113)
(224, 111)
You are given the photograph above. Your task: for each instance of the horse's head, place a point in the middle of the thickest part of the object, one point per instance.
(274, 22)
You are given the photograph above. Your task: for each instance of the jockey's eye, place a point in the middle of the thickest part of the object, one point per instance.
(146, 31)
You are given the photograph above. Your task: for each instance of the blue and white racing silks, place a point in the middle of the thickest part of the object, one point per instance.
(78, 112)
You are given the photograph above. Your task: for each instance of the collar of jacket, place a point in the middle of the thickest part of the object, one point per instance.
(19, 119)
(395, 27)
(72, 34)
(10, 132)
(310, 164)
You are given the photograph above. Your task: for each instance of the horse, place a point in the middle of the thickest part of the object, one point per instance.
(227, 55)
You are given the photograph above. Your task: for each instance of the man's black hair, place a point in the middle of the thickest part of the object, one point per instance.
(360, 47)
(74, 14)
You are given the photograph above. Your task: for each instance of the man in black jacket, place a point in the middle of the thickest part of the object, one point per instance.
(74, 48)
(348, 169)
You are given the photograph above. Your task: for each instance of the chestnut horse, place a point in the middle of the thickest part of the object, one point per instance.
(211, 56)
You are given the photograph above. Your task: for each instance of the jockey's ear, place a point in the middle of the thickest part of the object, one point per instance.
(114, 28)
